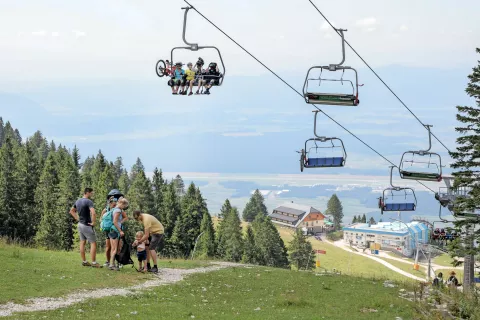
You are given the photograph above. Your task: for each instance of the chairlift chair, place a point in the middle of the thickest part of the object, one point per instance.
(388, 201)
(412, 162)
(340, 99)
(161, 68)
(310, 156)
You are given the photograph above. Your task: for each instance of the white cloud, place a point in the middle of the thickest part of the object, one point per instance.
(328, 36)
(55, 34)
(326, 25)
(367, 22)
(371, 29)
(40, 33)
(79, 34)
(403, 27)
(242, 134)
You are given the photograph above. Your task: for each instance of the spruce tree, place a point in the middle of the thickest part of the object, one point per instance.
(118, 169)
(171, 210)
(354, 219)
(364, 218)
(335, 209)
(301, 252)
(226, 208)
(136, 168)
(271, 248)
(140, 194)
(250, 254)
(18, 137)
(10, 188)
(233, 237)
(179, 185)
(467, 176)
(124, 182)
(255, 206)
(372, 221)
(2, 136)
(49, 234)
(206, 243)
(86, 173)
(76, 157)
(158, 185)
(220, 235)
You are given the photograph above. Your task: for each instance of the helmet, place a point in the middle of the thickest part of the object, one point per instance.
(179, 64)
(114, 193)
(200, 61)
(212, 65)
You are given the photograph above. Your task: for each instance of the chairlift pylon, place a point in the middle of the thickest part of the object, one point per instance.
(409, 166)
(312, 147)
(387, 204)
(447, 197)
(339, 99)
(161, 66)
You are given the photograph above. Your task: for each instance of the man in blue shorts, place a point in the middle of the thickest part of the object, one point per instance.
(84, 213)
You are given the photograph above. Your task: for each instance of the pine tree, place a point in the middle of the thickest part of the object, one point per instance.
(220, 235)
(2, 136)
(171, 210)
(10, 188)
(124, 182)
(86, 173)
(334, 208)
(206, 243)
(354, 219)
(233, 237)
(179, 185)
(18, 137)
(136, 168)
(301, 252)
(158, 186)
(76, 157)
(364, 218)
(140, 194)
(47, 195)
(226, 208)
(255, 206)
(467, 176)
(271, 248)
(250, 254)
(372, 221)
(118, 169)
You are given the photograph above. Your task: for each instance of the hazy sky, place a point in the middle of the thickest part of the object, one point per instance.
(53, 39)
(73, 65)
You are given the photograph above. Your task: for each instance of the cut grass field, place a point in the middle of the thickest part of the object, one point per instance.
(249, 293)
(443, 260)
(346, 262)
(407, 267)
(31, 273)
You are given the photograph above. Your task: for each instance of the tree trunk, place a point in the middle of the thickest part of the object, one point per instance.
(468, 272)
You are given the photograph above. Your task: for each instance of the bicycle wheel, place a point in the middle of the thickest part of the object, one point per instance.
(161, 68)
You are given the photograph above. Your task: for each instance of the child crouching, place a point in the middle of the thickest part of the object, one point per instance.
(141, 252)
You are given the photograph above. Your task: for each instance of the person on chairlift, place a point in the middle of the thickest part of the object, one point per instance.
(178, 79)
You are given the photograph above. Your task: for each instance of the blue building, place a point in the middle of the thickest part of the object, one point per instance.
(392, 236)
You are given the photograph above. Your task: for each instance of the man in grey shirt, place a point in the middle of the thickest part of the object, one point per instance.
(84, 213)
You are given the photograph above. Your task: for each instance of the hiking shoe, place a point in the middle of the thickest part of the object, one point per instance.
(106, 264)
(114, 268)
(86, 264)
(190, 93)
(153, 270)
(97, 265)
(197, 92)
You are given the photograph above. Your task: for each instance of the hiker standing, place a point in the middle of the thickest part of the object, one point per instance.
(83, 212)
(116, 231)
(153, 232)
(452, 280)
(106, 214)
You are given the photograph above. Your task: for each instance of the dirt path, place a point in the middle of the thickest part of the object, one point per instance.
(164, 277)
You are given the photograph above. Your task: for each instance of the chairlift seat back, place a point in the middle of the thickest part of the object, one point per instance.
(399, 207)
(325, 162)
(338, 99)
(420, 176)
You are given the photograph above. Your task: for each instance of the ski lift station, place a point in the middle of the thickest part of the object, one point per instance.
(391, 236)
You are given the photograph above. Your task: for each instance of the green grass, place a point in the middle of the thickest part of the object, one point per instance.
(249, 293)
(30, 273)
(346, 262)
(407, 267)
(443, 260)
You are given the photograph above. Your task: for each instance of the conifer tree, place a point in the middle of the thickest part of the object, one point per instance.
(47, 195)
(271, 248)
(87, 177)
(124, 182)
(335, 209)
(364, 218)
(136, 168)
(354, 219)
(118, 169)
(226, 208)
(171, 210)
(254, 207)
(372, 221)
(467, 177)
(206, 243)
(301, 252)
(158, 185)
(233, 237)
(250, 254)
(221, 229)
(76, 157)
(179, 185)
(2, 136)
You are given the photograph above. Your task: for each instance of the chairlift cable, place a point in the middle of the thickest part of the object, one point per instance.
(379, 78)
(295, 90)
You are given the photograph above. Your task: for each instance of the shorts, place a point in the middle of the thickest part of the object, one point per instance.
(113, 234)
(156, 242)
(176, 82)
(142, 255)
(87, 233)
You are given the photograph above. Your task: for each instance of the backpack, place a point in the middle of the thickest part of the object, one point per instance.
(123, 257)
(107, 221)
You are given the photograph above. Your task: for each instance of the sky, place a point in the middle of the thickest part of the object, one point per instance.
(83, 73)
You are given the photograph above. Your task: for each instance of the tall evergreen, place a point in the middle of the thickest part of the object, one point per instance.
(364, 218)
(206, 243)
(335, 209)
(250, 254)
(301, 252)
(118, 169)
(124, 182)
(467, 176)
(2, 136)
(226, 208)
(18, 136)
(372, 221)
(140, 193)
(179, 185)
(255, 206)
(49, 232)
(76, 157)
(220, 235)
(354, 219)
(171, 211)
(87, 177)
(271, 248)
(136, 168)
(158, 185)
(10, 188)
(233, 249)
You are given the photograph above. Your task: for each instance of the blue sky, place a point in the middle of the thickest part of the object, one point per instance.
(83, 73)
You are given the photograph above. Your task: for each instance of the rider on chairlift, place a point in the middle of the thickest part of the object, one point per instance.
(178, 79)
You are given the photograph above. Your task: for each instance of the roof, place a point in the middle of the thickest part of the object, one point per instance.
(296, 207)
(290, 210)
(299, 211)
(282, 217)
(395, 228)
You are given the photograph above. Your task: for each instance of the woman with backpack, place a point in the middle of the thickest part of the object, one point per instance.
(111, 204)
(112, 226)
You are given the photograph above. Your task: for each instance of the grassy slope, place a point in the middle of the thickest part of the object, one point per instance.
(250, 293)
(407, 267)
(443, 260)
(29, 273)
(348, 263)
